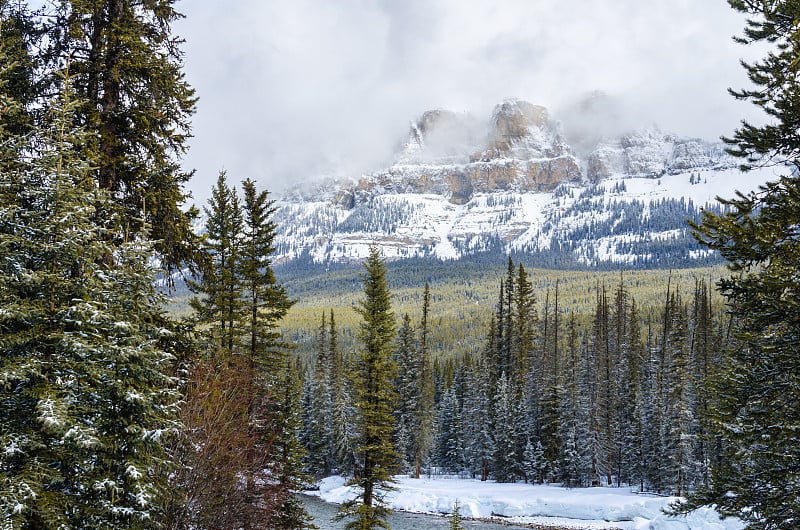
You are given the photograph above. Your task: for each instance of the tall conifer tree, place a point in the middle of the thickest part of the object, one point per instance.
(220, 306)
(126, 65)
(375, 399)
(757, 417)
(85, 397)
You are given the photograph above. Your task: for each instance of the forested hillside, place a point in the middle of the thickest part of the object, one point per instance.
(463, 296)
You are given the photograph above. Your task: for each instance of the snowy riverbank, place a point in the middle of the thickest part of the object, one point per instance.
(580, 508)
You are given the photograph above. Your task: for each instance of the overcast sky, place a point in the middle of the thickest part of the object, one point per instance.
(293, 89)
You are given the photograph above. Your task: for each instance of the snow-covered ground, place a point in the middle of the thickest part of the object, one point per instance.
(580, 508)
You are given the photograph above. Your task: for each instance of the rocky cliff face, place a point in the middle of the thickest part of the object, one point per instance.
(521, 149)
(651, 153)
(461, 185)
(456, 156)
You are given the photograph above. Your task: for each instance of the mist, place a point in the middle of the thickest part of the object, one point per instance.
(294, 90)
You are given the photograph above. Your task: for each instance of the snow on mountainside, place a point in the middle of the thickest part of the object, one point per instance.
(516, 185)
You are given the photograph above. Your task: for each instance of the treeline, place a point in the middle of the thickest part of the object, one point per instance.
(618, 398)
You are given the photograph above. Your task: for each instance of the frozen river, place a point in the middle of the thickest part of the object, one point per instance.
(323, 513)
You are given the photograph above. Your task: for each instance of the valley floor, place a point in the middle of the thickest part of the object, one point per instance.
(545, 506)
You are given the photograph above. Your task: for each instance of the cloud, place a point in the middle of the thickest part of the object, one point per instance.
(293, 89)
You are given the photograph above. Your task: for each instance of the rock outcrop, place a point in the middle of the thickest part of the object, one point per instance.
(521, 149)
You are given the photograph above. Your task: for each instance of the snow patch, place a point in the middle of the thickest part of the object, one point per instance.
(525, 503)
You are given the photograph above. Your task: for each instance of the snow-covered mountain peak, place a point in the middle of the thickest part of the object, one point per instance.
(511, 182)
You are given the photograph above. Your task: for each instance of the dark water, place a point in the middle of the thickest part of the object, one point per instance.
(323, 513)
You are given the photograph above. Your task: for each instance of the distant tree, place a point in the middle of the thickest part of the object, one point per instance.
(375, 400)
(534, 463)
(478, 414)
(506, 461)
(449, 450)
(423, 441)
(344, 430)
(279, 438)
(407, 385)
(573, 432)
(319, 408)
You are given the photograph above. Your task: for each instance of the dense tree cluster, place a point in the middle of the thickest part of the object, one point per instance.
(617, 400)
(115, 415)
(606, 404)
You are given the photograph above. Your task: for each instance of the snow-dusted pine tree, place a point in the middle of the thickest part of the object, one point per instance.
(408, 395)
(85, 399)
(506, 462)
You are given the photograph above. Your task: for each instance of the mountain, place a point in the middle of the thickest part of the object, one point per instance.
(460, 186)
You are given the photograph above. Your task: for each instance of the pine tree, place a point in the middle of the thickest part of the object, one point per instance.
(375, 399)
(603, 394)
(319, 409)
(126, 66)
(632, 403)
(407, 386)
(450, 449)
(86, 402)
(287, 454)
(266, 301)
(506, 461)
(478, 415)
(219, 309)
(423, 427)
(240, 307)
(756, 417)
(706, 347)
(455, 517)
(18, 33)
(343, 414)
(534, 463)
(575, 464)
(522, 333)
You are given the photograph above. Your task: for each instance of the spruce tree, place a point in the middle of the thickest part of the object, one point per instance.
(287, 453)
(375, 399)
(219, 308)
(86, 402)
(319, 409)
(343, 413)
(238, 313)
(575, 463)
(126, 68)
(506, 461)
(266, 301)
(455, 517)
(19, 34)
(478, 415)
(407, 385)
(756, 417)
(424, 412)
